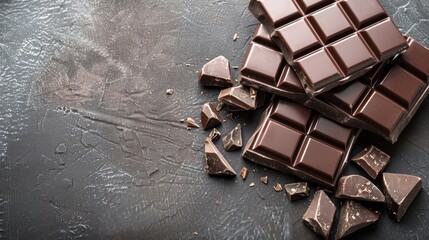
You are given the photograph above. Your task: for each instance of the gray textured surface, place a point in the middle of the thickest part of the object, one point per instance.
(92, 75)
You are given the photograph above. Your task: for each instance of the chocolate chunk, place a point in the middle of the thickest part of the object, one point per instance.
(334, 42)
(240, 97)
(382, 101)
(220, 106)
(354, 216)
(264, 179)
(400, 191)
(297, 190)
(169, 91)
(209, 116)
(214, 135)
(216, 164)
(358, 188)
(244, 172)
(278, 187)
(294, 139)
(320, 214)
(191, 123)
(216, 73)
(372, 160)
(233, 141)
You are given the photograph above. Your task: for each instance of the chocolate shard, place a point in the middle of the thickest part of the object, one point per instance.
(358, 188)
(209, 116)
(216, 73)
(241, 98)
(354, 216)
(320, 214)
(190, 122)
(278, 187)
(214, 135)
(216, 164)
(400, 191)
(297, 190)
(233, 141)
(372, 160)
(264, 180)
(244, 172)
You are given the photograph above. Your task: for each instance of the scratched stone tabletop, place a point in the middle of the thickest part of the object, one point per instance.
(91, 146)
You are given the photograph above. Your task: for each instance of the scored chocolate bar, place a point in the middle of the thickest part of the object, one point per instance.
(382, 101)
(329, 42)
(294, 139)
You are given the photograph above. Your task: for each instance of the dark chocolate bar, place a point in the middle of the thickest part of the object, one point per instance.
(383, 101)
(294, 139)
(329, 42)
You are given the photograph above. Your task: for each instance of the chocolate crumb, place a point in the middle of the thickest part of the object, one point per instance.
(235, 37)
(219, 106)
(264, 180)
(182, 120)
(251, 184)
(169, 91)
(278, 187)
(191, 123)
(244, 172)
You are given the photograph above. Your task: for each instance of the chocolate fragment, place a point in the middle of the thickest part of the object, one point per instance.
(182, 120)
(358, 188)
(209, 116)
(216, 164)
(252, 184)
(169, 91)
(354, 216)
(297, 190)
(372, 160)
(235, 37)
(191, 123)
(233, 141)
(320, 42)
(294, 139)
(244, 172)
(382, 101)
(214, 135)
(320, 214)
(400, 191)
(264, 179)
(239, 97)
(216, 73)
(278, 187)
(220, 106)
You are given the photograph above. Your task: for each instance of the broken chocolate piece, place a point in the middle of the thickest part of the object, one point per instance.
(233, 140)
(191, 123)
(400, 191)
(244, 172)
(358, 188)
(240, 97)
(169, 91)
(264, 179)
(216, 73)
(278, 187)
(209, 116)
(219, 106)
(235, 37)
(354, 216)
(372, 160)
(297, 190)
(216, 164)
(214, 135)
(252, 184)
(320, 214)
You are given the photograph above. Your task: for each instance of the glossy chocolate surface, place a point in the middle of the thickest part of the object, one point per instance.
(294, 139)
(382, 101)
(319, 216)
(329, 42)
(372, 160)
(216, 73)
(358, 188)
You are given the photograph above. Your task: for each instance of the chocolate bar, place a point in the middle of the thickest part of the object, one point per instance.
(294, 139)
(329, 42)
(383, 101)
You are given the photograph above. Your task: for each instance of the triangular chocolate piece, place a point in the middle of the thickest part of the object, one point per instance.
(216, 73)
(354, 216)
(216, 164)
(214, 135)
(358, 188)
(320, 214)
(400, 191)
(233, 140)
(297, 190)
(240, 98)
(372, 160)
(209, 116)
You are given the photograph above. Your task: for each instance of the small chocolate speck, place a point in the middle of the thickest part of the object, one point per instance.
(251, 184)
(169, 91)
(278, 187)
(264, 180)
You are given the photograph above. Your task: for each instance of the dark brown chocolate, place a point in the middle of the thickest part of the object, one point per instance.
(294, 139)
(241, 99)
(400, 191)
(244, 172)
(320, 214)
(297, 190)
(382, 101)
(358, 188)
(216, 164)
(216, 73)
(329, 42)
(209, 116)
(372, 160)
(233, 140)
(354, 216)
(214, 135)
